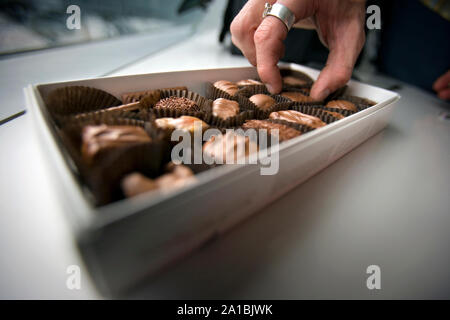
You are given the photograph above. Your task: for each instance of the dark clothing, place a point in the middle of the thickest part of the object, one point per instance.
(415, 43)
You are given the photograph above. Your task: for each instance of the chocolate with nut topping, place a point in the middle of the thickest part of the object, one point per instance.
(177, 103)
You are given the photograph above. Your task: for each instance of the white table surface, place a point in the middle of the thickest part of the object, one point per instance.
(386, 203)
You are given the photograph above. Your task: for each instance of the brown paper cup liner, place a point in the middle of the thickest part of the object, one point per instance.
(339, 92)
(104, 175)
(151, 95)
(202, 102)
(282, 103)
(344, 112)
(132, 110)
(297, 74)
(78, 99)
(316, 112)
(104, 179)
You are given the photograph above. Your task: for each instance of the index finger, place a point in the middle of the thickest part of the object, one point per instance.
(269, 49)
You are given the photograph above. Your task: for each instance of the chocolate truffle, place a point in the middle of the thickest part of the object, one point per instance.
(97, 140)
(263, 101)
(248, 82)
(136, 183)
(298, 117)
(295, 82)
(186, 123)
(229, 87)
(223, 147)
(297, 96)
(177, 103)
(224, 108)
(342, 104)
(284, 132)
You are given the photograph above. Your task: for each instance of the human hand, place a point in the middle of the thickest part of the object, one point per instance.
(340, 25)
(442, 86)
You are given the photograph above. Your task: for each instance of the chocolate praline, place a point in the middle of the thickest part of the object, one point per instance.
(225, 108)
(284, 132)
(342, 104)
(295, 82)
(297, 117)
(248, 82)
(263, 101)
(229, 147)
(227, 86)
(136, 183)
(296, 96)
(186, 123)
(97, 140)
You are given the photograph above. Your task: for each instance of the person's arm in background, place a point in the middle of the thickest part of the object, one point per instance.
(339, 23)
(442, 86)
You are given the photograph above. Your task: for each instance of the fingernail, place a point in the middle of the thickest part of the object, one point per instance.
(325, 93)
(270, 88)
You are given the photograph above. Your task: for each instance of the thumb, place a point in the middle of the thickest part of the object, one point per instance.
(340, 63)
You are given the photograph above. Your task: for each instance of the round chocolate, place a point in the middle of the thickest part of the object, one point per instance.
(263, 101)
(298, 117)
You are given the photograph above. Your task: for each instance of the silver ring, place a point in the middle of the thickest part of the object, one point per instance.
(281, 12)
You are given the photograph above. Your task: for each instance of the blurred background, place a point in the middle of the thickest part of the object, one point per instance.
(38, 24)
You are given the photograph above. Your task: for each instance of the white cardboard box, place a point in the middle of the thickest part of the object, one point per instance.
(128, 240)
